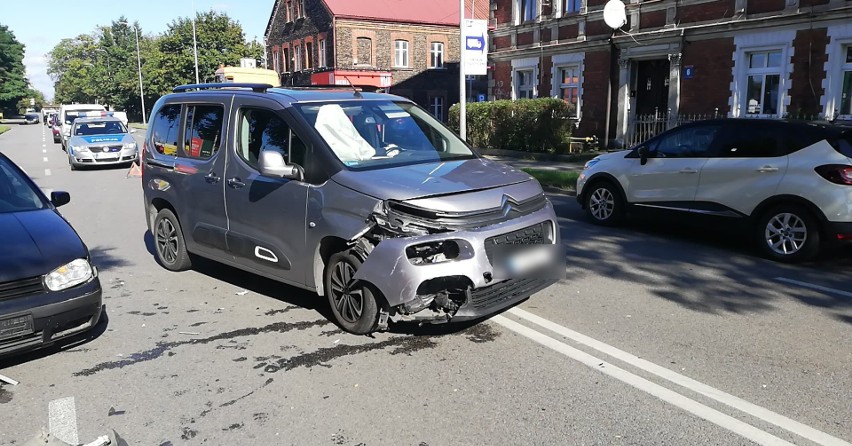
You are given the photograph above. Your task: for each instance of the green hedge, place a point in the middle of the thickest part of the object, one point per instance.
(528, 125)
(4, 129)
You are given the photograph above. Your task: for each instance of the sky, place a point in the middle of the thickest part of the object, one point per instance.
(40, 25)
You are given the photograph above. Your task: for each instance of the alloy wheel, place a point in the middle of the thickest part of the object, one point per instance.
(347, 296)
(602, 204)
(786, 233)
(167, 241)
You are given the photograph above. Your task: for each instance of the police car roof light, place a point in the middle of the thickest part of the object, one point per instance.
(94, 114)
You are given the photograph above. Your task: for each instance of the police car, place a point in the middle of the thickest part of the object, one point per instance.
(98, 138)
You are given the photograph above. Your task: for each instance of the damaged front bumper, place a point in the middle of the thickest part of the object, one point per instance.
(465, 274)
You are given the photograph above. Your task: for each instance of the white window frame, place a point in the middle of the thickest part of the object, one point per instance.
(436, 107)
(276, 61)
(308, 58)
(526, 64)
(436, 49)
(400, 53)
(745, 45)
(562, 11)
(840, 38)
(763, 72)
(520, 17)
(297, 58)
(322, 62)
(561, 61)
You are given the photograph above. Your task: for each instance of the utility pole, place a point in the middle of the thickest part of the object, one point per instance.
(462, 86)
(194, 43)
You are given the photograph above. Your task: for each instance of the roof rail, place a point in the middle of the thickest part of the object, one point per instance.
(258, 88)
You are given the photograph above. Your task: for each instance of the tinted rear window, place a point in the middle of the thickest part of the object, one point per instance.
(799, 137)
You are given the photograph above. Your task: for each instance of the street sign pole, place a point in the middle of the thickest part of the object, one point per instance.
(462, 92)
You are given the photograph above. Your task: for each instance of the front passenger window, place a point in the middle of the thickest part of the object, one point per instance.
(264, 130)
(688, 142)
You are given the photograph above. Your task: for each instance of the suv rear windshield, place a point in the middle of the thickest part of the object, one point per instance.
(70, 116)
(381, 134)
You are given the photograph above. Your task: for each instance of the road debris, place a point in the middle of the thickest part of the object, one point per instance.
(8, 380)
(191, 333)
(241, 293)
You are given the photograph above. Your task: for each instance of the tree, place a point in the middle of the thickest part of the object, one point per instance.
(33, 99)
(13, 81)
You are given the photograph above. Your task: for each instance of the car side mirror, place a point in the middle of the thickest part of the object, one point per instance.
(59, 198)
(643, 155)
(272, 164)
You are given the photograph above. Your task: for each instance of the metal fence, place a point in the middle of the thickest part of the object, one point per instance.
(643, 127)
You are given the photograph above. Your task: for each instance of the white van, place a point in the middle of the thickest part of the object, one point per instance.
(68, 113)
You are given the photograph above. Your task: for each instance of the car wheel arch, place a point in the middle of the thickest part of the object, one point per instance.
(602, 177)
(778, 200)
(328, 246)
(158, 204)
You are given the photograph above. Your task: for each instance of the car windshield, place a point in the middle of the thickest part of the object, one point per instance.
(99, 128)
(16, 193)
(70, 116)
(380, 134)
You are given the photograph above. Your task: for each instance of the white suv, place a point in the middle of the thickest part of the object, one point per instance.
(791, 181)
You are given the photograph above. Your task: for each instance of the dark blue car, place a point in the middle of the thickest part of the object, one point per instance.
(48, 288)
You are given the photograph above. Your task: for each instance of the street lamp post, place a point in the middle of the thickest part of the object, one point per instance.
(139, 66)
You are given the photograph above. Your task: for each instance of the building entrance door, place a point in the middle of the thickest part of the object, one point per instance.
(652, 86)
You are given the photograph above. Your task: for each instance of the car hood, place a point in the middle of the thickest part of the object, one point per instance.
(101, 139)
(35, 243)
(430, 179)
(608, 155)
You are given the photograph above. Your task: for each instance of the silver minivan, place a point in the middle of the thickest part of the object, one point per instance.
(364, 198)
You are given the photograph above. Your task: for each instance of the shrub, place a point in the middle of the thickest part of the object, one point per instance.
(529, 125)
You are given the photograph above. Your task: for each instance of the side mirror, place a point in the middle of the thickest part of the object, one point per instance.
(60, 198)
(643, 155)
(272, 164)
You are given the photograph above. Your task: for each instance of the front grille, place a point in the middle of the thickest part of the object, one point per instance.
(537, 234)
(105, 149)
(492, 296)
(509, 210)
(20, 288)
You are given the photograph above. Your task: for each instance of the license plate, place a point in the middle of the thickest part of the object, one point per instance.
(106, 156)
(533, 258)
(16, 326)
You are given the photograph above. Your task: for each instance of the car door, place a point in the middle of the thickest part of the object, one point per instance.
(746, 168)
(199, 168)
(670, 176)
(266, 215)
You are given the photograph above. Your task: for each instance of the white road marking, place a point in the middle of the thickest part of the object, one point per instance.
(44, 145)
(45, 159)
(767, 415)
(44, 151)
(814, 287)
(63, 419)
(47, 172)
(694, 407)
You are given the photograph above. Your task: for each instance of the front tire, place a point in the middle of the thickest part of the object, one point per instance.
(788, 233)
(352, 302)
(604, 205)
(169, 242)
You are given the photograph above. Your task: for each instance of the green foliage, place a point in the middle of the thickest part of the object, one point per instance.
(529, 125)
(102, 67)
(37, 98)
(555, 178)
(4, 129)
(13, 81)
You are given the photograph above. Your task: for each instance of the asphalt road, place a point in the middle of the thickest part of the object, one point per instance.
(660, 334)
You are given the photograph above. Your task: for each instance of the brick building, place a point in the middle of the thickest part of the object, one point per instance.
(736, 58)
(407, 47)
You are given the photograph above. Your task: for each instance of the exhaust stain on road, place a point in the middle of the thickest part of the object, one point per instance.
(163, 347)
(5, 395)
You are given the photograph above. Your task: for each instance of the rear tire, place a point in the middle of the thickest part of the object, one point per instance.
(169, 242)
(788, 233)
(352, 302)
(604, 205)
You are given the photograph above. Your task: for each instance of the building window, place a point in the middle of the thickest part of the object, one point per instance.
(302, 8)
(436, 107)
(275, 62)
(365, 51)
(571, 6)
(763, 91)
(400, 53)
(569, 87)
(285, 55)
(290, 13)
(309, 54)
(297, 58)
(525, 84)
(527, 10)
(322, 53)
(846, 92)
(436, 59)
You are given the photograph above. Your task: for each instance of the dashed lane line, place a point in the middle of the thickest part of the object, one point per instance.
(732, 401)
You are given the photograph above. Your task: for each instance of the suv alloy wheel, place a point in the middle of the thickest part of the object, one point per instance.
(788, 233)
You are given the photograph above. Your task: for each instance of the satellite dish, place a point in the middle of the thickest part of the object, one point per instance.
(614, 14)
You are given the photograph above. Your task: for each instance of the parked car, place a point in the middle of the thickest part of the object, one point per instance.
(56, 128)
(363, 198)
(791, 182)
(68, 113)
(100, 141)
(48, 288)
(31, 118)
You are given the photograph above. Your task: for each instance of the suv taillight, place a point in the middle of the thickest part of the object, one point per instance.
(836, 173)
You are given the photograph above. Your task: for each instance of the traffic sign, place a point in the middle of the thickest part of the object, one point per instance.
(475, 33)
